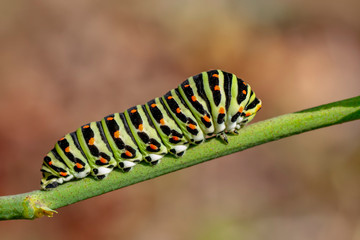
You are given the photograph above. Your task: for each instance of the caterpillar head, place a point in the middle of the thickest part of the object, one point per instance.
(252, 107)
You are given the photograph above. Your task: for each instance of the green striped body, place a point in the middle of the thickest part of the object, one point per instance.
(210, 104)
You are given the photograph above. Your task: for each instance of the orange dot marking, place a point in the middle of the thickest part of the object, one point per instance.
(103, 160)
(129, 154)
(67, 149)
(153, 105)
(133, 111)
(86, 126)
(244, 83)
(192, 126)
(61, 139)
(243, 91)
(162, 121)
(178, 110)
(222, 110)
(110, 118)
(117, 134)
(241, 109)
(187, 85)
(169, 97)
(91, 141)
(193, 98)
(175, 138)
(215, 75)
(141, 127)
(78, 165)
(217, 88)
(50, 163)
(152, 146)
(64, 174)
(206, 118)
(247, 114)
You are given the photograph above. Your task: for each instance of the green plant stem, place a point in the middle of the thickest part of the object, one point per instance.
(38, 203)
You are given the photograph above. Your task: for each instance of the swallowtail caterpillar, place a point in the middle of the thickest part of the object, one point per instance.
(209, 104)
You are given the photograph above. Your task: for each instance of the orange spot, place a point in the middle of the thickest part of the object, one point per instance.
(215, 75)
(247, 114)
(86, 126)
(152, 146)
(162, 121)
(117, 134)
(110, 118)
(206, 118)
(175, 138)
(103, 160)
(153, 105)
(222, 110)
(241, 109)
(61, 139)
(91, 141)
(193, 98)
(67, 149)
(243, 91)
(187, 85)
(169, 97)
(217, 88)
(78, 165)
(244, 83)
(129, 154)
(50, 163)
(141, 127)
(178, 110)
(192, 126)
(64, 174)
(133, 111)
(258, 107)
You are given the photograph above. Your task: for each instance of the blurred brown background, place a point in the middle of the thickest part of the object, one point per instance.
(65, 63)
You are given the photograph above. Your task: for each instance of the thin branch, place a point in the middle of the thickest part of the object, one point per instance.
(39, 203)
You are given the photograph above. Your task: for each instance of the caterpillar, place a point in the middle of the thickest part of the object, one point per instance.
(209, 104)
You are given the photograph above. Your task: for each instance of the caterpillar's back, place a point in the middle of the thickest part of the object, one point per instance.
(209, 104)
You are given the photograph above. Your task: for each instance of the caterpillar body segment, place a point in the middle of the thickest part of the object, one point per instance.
(194, 97)
(96, 149)
(69, 150)
(169, 132)
(209, 104)
(215, 85)
(145, 134)
(54, 170)
(183, 117)
(121, 141)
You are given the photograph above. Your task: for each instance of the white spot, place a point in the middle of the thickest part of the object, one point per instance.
(104, 170)
(82, 174)
(231, 126)
(128, 164)
(210, 129)
(180, 148)
(239, 119)
(155, 157)
(68, 178)
(198, 137)
(220, 128)
(237, 127)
